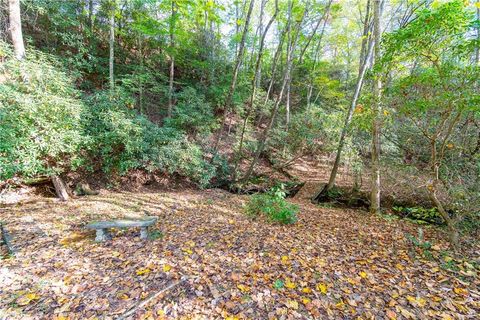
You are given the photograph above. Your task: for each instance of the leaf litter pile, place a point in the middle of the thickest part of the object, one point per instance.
(207, 260)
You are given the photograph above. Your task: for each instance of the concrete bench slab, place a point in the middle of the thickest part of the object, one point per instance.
(102, 227)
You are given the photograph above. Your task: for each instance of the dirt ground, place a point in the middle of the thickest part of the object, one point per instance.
(332, 264)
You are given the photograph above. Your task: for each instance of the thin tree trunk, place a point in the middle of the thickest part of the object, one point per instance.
(140, 82)
(172, 61)
(323, 18)
(16, 28)
(111, 44)
(276, 59)
(289, 56)
(317, 51)
(90, 15)
(377, 94)
(231, 90)
(254, 87)
(432, 191)
(258, 73)
(348, 119)
(477, 48)
(263, 140)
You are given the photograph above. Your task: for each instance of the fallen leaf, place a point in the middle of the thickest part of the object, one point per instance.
(322, 287)
(292, 304)
(143, 271)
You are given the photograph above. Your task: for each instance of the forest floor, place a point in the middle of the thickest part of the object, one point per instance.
(334, 263)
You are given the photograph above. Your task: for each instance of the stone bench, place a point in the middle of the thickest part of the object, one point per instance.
(102, 227)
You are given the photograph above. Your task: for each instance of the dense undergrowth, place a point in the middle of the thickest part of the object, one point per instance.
(49, 127)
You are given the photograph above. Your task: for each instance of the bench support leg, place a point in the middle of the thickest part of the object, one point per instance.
(144, 233)
(102, 235)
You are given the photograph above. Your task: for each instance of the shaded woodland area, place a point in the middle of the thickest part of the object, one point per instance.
(282, 159)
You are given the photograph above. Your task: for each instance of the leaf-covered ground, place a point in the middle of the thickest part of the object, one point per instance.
(333, 264)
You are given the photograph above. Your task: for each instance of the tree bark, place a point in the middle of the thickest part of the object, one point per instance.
(289, 62)
(90, 15)
(477, 48)
(254, 87)
(315, 57)
(16, 34)
(236, 70)
(172, 61)
(60, 188)
(358, 87)
(377, 94)
(111, 45)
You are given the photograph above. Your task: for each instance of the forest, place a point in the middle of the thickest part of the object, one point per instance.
(239, 159)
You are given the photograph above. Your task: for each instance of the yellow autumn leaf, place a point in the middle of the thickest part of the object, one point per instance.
(243, 288)
(290, 285)
(322, 287)
(340, 304)
(418, 301)
(421, 302)
(307, 290)
(284, 259)
(292, 304)
(166, 268)
(363, 274)
(143, 271)
(188, 251)
(399, 266)
(27, 298)
(460, 291)
(232, 318)
(306, 301)
(123, 296)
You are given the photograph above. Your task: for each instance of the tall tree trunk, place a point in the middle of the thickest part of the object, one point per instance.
(289, 63)
(111, 44)
(90, 15)
(172, 61)
(140, 80)
(316, 53)
(477, 48)
(289, 57)
(258, 73)
(236, 70)
(377, 95)
(16, 28)
(254, 87)
(358, 87)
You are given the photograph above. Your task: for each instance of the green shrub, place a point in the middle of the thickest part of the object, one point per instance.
(123, 140)
(418, 213)
(39, 115)
(272, 205)
(192, 113)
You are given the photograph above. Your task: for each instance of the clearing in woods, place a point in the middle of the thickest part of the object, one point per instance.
(333, 263)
